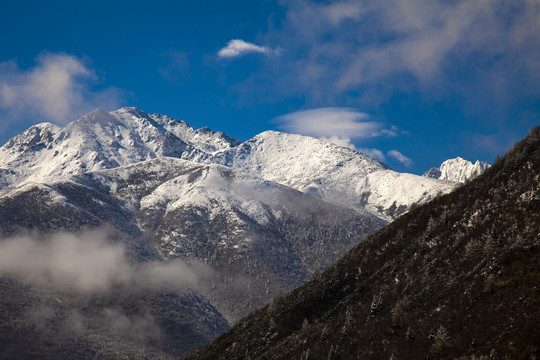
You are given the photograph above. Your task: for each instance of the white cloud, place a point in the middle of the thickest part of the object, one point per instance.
(57, 89)
(344, 123)
(400, 157)
(338, 126)
(236, 48)
(393, 131)
(86, 263)
(337, 12)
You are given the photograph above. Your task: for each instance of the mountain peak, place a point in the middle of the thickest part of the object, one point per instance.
(336, 174)
(104, 140)
(457, 170)
(273, 135)
(96, 116)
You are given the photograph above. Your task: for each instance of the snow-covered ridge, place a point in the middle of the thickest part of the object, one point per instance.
(302, 162)
(336, 174)
(457, 170)
(105, 140)
(177, 183)
(102, 140)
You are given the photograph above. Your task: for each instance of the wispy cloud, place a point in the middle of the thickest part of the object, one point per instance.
(237, 48)
(58, 89)
(363, 52)
(338, 126)
(337, 12)
(400, 157)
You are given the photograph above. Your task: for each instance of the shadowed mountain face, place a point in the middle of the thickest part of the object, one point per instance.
(84, 295)
(241, 238)
(44, 323)
(457, 278)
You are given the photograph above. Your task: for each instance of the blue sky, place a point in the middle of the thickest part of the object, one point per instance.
(411, 82)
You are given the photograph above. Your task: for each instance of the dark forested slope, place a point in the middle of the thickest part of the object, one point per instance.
(458, 278)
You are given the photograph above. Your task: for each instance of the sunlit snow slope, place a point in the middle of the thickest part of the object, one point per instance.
(336, 174)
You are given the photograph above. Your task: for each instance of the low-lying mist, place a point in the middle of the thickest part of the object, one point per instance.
(86, 263)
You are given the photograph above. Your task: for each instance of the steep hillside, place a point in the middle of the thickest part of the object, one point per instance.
(454, 279)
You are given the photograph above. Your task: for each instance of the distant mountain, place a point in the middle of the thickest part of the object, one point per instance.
(336, 174)
(456, 278)
(252, 219)
(102, 140)
(457, 170)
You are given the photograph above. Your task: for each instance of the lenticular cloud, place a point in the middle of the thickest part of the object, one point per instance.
(328, 122)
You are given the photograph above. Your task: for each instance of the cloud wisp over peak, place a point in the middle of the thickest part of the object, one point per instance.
(340, 126)
(335, 124)
(237, 48)
(331, 121)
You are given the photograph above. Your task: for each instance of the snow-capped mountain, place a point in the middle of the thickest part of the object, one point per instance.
(457, 170)
(336, 174)
(255, 217)
(104, 140)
